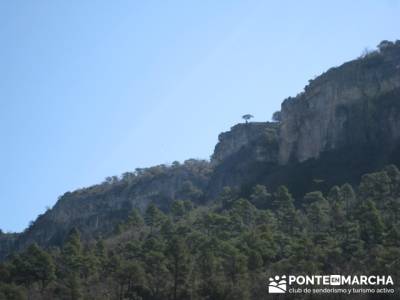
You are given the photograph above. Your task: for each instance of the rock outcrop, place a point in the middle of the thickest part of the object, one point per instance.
(345, 123)
(7, 243)
(339, 107)
(96, 211)
(259, 137)
(241, 154)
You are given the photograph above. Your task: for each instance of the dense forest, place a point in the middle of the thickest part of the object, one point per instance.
(224, 250)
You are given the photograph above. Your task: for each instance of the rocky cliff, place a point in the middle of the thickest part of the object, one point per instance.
(346, 122)
(96, 211)
(340, 107)
(346, 105)
(242, 153)
(258, 137)
(7, 243)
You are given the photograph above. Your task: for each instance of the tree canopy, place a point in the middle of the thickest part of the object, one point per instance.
(223, 250)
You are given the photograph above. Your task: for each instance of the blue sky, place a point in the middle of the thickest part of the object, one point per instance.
(90, 89)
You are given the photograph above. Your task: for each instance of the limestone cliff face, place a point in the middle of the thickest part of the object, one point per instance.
(338, 108)
(344, 106)
(345, 123)
(7, 242)
(241, 154)
(260, 137)
(97, 210)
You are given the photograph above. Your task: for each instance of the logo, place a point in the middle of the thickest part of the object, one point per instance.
(277, 285)
(331, 284)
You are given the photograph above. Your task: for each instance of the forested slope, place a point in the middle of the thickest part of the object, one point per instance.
(315, 192)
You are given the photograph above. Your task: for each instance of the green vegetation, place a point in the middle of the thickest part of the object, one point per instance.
(225, 250)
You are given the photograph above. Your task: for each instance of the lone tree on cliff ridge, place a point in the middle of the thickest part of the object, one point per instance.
(247, 117)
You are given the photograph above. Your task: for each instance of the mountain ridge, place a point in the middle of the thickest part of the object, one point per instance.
(340, 114)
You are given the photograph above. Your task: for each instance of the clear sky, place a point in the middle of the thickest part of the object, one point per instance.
(90, 89)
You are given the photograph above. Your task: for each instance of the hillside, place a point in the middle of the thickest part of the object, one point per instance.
(320, 182)
(225, 250)
(330, 133)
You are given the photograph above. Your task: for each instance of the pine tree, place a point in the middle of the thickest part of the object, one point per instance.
(312, 197)
(227, 197)
(178, 262)
(153, 217)
(285, 211)
(178, 209)
(375, 186)
(157, 274)
(245, 211)
(135, 219)
(337, 211)
(317, 212)
(72, 265)
(72, 251)
(349, 197)
(34, 265)
(260, 197)
(371, 224)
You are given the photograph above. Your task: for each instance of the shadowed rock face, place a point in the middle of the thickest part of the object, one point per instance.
(7, 242)
(241, 154)
(261, 137)
(338, 108)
